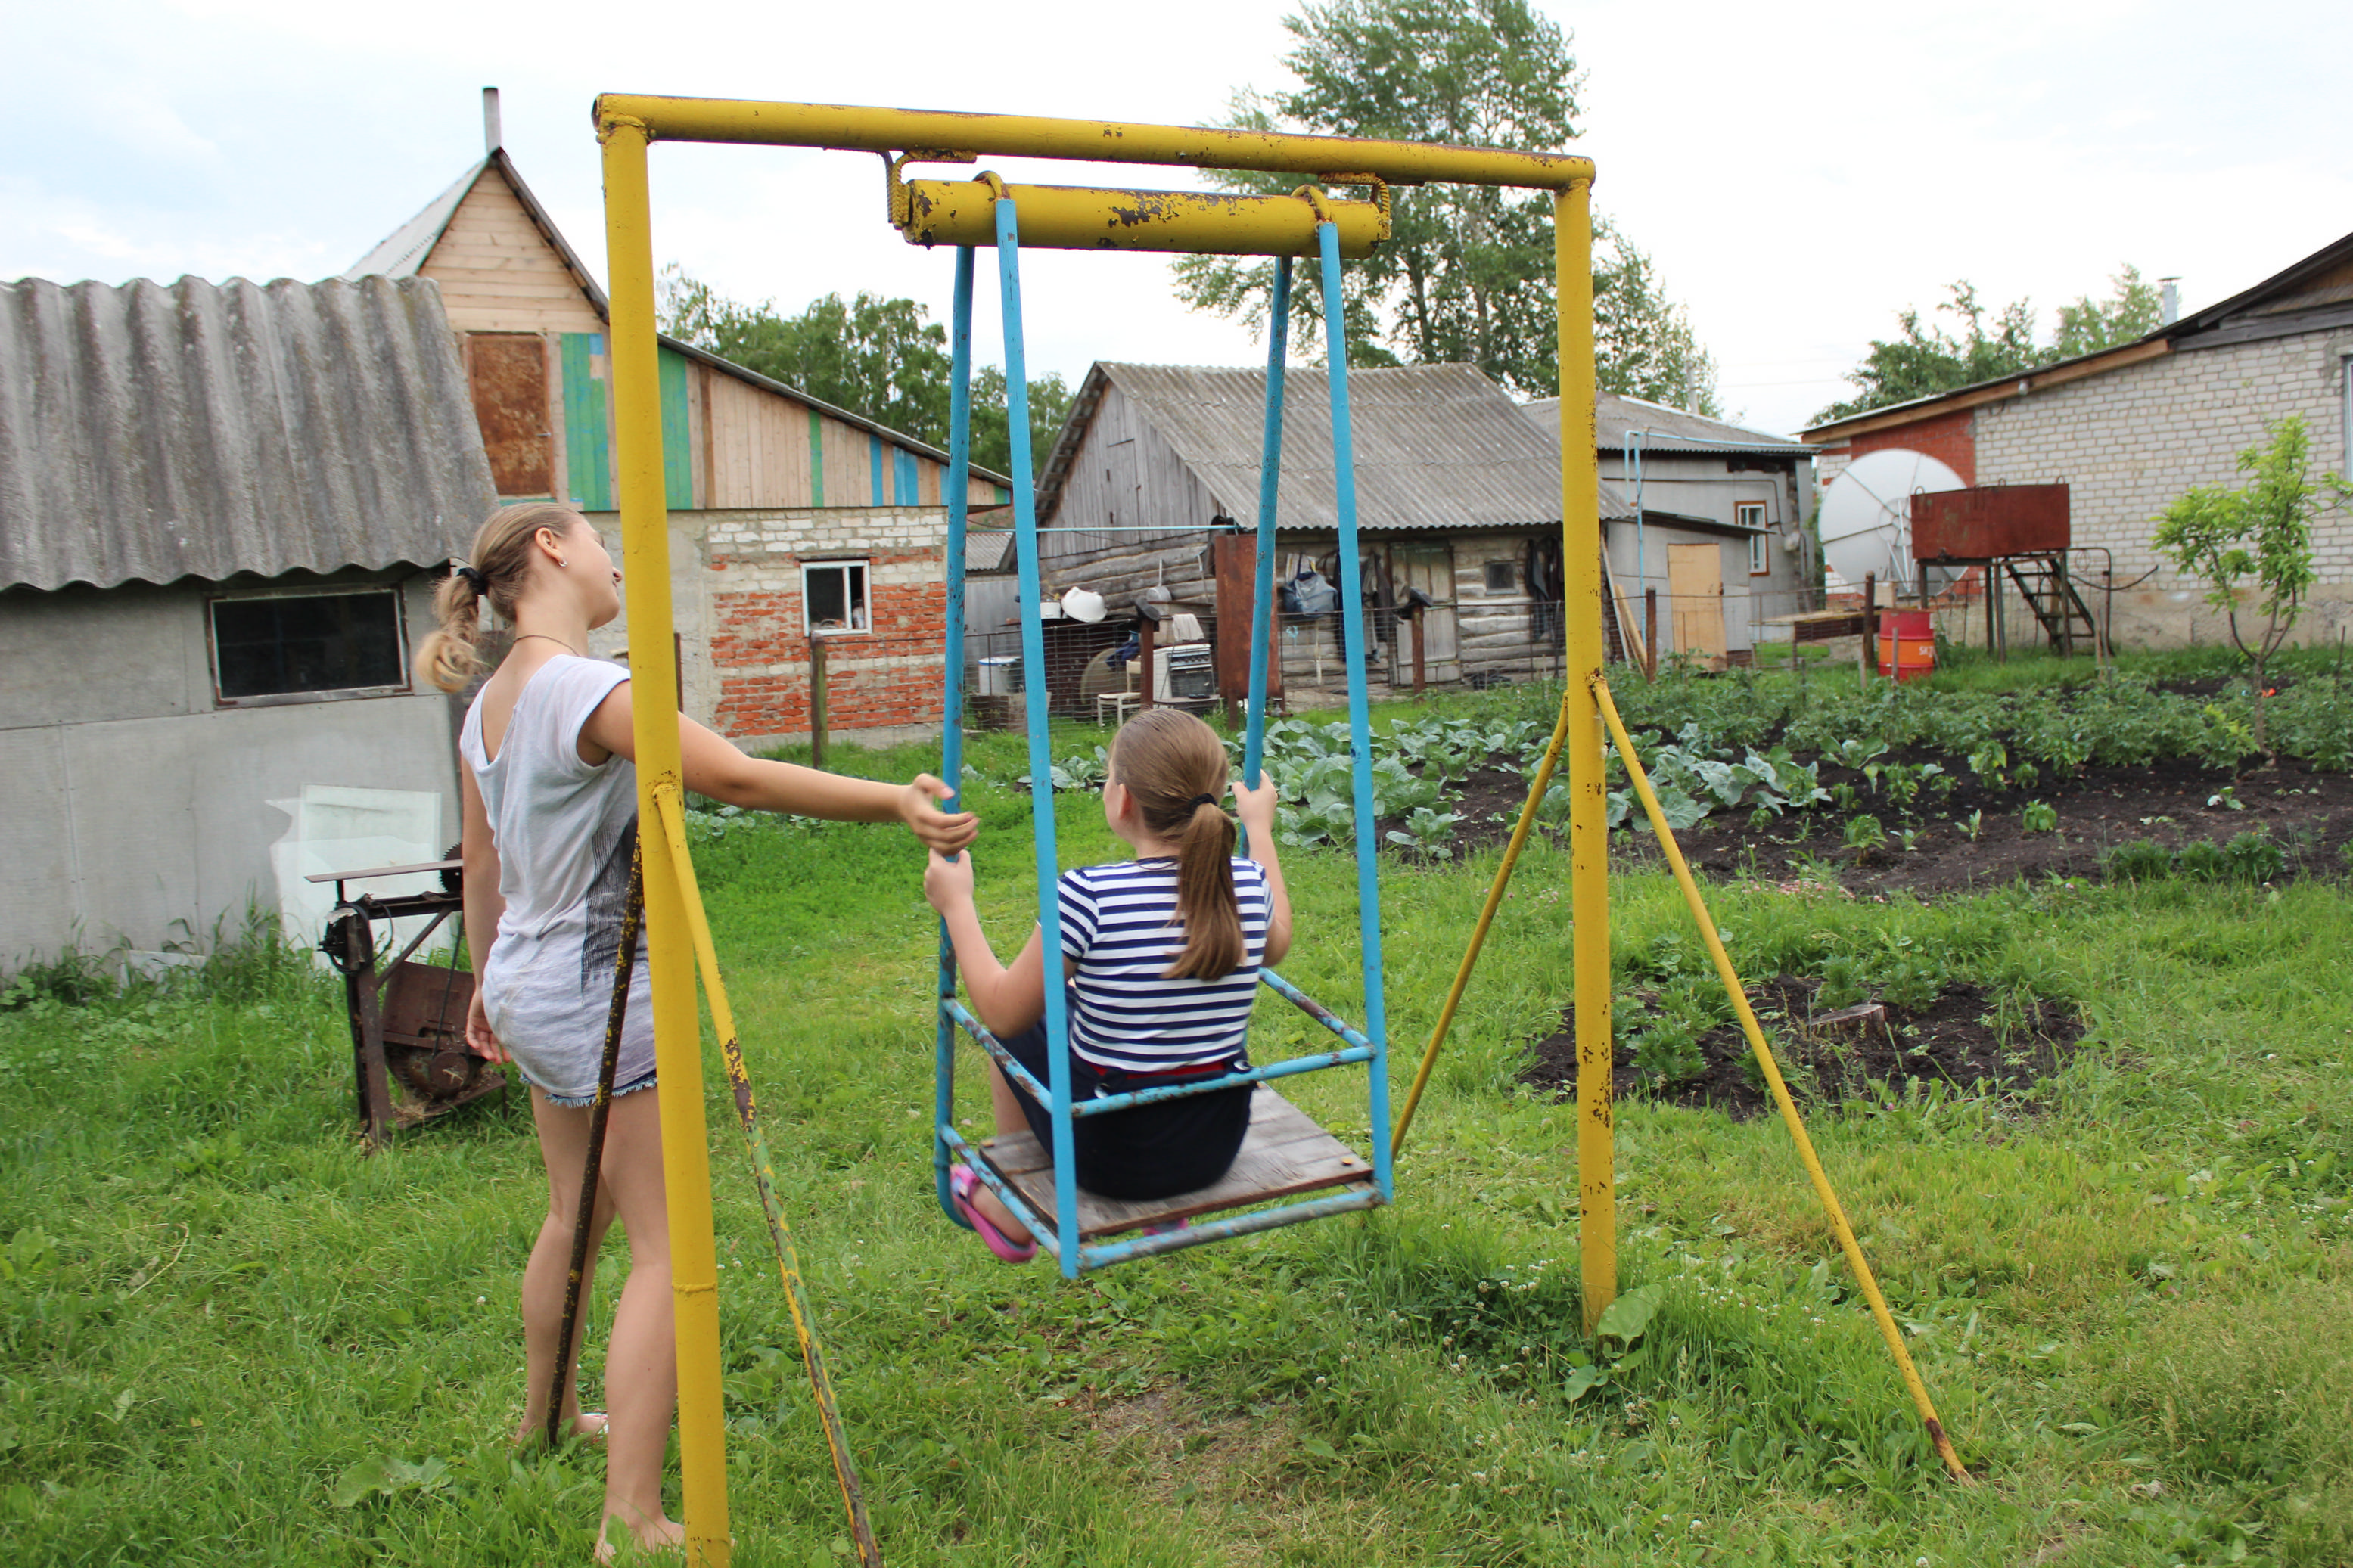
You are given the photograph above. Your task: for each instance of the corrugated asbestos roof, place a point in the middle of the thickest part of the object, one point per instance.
(200, 429)
(1437, 446)
(1669, 429)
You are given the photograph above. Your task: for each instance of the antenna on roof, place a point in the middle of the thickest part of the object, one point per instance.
(492, 139)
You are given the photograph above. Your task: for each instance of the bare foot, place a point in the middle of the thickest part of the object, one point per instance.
(991, 1205)
(662, 1537)
(588, 1425)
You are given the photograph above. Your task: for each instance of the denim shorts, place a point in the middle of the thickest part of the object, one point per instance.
(582, 1101)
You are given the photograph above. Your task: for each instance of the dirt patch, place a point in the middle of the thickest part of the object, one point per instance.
(1829, 1057)
(1193, 1461)
(2308, 813)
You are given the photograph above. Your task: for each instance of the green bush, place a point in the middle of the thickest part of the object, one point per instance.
(2141, 860)
(2255, 857)
(2204, 862)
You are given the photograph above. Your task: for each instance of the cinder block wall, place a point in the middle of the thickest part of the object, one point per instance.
(2128, 442)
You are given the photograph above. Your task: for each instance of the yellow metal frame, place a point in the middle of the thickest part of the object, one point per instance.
(626, 125)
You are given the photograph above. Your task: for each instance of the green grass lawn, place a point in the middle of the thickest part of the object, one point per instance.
(2128, 1295)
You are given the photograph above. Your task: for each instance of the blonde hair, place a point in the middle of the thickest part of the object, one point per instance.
(1175, 766)
(451, 656)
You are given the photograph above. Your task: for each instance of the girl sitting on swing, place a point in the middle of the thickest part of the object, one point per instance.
(1160, 959)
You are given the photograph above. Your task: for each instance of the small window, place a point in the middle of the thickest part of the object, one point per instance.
(1502, 577)
(833, 596)
(289, 647)
(1751, 514)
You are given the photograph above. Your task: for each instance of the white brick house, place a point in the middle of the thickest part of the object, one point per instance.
(2130, 428)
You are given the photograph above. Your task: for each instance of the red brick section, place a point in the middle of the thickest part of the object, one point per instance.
(1950, 438)
(756, 629)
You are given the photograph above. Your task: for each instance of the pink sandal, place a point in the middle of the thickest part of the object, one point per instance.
(962, 1182)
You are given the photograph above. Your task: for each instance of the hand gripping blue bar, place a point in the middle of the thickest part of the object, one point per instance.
(1360, 724)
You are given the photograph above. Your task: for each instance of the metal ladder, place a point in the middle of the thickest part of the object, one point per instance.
(2050, 596)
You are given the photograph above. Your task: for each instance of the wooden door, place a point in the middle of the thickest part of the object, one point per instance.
(1430, 568)
(1696, 588)
(509, 372)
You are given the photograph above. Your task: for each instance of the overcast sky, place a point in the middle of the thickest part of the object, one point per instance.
(1798, 175)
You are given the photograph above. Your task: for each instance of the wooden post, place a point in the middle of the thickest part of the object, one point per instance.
(1418, 680)
(1144, 652)
(1651, 634)
(816, 703)
(1870, 624)
(1233, 557)
(1984, 581)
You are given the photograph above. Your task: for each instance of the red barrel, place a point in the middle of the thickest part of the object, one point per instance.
(1908, 645)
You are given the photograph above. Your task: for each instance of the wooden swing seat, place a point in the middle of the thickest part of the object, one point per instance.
(1284, 1153)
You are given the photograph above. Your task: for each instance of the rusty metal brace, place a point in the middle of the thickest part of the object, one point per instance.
(632, 918)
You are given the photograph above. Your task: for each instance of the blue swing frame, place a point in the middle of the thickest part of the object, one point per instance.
(1060, 1235)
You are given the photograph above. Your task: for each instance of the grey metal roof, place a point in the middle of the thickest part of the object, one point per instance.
(1437, 446)
(1667, 430)
(400, 253)
(987, 551)
(203, 429)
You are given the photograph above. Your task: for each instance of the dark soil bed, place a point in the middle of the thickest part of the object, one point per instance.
(2308, 813)
(1957, 1040)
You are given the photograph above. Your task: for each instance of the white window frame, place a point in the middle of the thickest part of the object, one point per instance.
(332, 694)
(1750, 515)
(859, 605)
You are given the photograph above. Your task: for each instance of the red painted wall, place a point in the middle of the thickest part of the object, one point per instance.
(1950, 438)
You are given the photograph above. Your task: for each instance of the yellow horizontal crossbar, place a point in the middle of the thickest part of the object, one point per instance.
(850, 128)
(1069, 217)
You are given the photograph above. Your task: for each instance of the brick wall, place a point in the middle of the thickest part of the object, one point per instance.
(1948, 438)
(2128, 442)
(885, 677)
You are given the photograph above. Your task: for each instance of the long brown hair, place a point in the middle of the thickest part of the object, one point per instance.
(451, 656)
(1175, 766)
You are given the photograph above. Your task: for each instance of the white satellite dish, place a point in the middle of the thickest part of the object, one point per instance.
(1866, 517)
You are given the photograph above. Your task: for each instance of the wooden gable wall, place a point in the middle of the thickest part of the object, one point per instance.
(726, 442)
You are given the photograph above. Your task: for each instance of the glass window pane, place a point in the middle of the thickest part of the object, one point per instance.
(827, 607)
(323, 642)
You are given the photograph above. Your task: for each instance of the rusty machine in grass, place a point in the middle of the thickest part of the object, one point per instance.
(407, 1019)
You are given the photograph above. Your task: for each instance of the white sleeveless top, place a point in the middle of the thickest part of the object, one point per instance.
(564, 833)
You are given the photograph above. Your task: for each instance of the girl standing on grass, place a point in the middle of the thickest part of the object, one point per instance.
(551, 821)
(1160, 957)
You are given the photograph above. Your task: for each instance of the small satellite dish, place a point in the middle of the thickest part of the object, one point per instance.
(1866, 517)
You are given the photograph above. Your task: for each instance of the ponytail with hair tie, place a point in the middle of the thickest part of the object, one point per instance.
(1164, 757)
(449, 656)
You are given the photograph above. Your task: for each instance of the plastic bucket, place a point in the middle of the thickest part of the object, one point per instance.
(1908, 645)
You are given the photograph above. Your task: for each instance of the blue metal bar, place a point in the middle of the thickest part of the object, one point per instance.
(1360, 726)
(1289, 1068)
(957, 483)
(955, 1012)
(1269, 471)
(1041, 762)
(1103, 1254)
(1359, 1050)
(1313, 1009)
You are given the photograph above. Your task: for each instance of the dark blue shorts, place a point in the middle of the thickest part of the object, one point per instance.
(1151, 1151)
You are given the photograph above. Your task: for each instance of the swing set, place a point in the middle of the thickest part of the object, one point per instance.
(1289, 1170)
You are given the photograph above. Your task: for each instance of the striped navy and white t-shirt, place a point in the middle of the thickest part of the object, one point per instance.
(1120, 925)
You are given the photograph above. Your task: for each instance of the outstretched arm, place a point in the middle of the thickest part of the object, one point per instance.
(714, 767)
(1009, 998)
(1256, 808)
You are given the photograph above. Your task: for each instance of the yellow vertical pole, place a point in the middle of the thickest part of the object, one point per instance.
(678, 1046)
(1589, 823)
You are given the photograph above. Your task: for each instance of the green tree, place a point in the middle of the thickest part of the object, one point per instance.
(2089, 325)
(1924, 359)
(2256, 541)
(885, 359)
(1467, 273)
